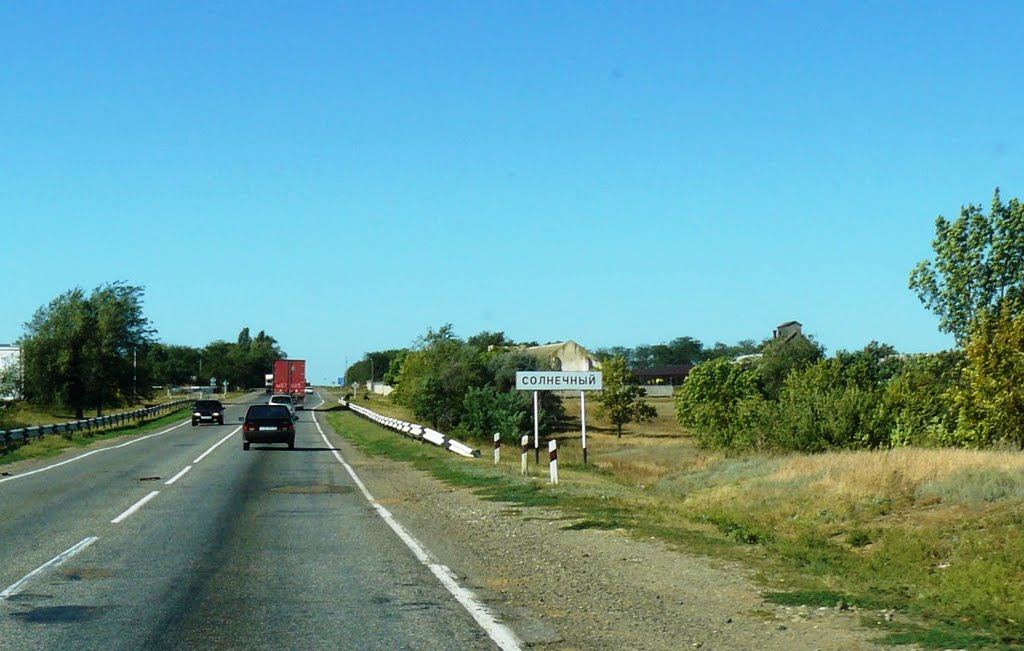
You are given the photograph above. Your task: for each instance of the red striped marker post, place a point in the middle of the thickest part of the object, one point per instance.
(526, 452)
(553, 452)
(497, 447)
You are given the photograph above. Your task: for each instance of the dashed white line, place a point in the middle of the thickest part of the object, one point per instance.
(134, 507)
(498, 632)
(214, 446)
(48, 565)
(178, 476)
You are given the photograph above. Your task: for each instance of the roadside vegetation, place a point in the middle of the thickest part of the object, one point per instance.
(868, 479)
(924, 543)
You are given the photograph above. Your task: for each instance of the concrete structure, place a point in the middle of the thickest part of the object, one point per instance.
(565, 356)
(788, 330)
(10, 364)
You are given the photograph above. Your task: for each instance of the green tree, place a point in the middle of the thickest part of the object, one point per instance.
(991, 400)
(979, 265)
(437, 375)
(77, 351)
(621, 399)
(709, 399)
(783, 356)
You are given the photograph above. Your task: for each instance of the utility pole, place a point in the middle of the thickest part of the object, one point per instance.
(135, 367)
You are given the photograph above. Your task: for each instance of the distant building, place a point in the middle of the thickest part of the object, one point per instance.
(788, 330)
(565, 356)
(10, 363)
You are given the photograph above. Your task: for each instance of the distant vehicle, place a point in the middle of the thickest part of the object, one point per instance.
(268, 424)
(290, 378)
(309, 390)
(283, 399)
(268, 382)
(207, 411)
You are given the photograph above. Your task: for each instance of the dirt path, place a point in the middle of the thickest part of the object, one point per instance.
(596, 590)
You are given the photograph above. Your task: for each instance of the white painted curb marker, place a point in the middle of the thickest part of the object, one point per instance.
(526, 453)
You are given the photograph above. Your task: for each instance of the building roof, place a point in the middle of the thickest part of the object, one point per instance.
(788, 323)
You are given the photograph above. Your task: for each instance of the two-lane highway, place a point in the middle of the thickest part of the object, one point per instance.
(183, 541)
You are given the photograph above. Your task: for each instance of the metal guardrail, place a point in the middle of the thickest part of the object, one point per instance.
(414, 431)
(13, 436)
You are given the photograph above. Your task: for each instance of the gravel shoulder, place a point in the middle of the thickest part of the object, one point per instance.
(594, 589)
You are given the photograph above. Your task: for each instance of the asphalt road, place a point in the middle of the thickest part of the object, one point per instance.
(265, 549)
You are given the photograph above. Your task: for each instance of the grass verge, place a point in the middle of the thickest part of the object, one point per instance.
(933, 536)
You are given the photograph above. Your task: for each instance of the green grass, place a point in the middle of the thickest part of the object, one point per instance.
(815, 535)
(54, 444)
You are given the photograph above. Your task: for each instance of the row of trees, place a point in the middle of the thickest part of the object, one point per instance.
(793, 398)
(681, 350)
(98, 349)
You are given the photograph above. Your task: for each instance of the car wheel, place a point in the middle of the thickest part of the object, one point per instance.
(220, 422)
(291, 444)
(193, 423)
(245, 445)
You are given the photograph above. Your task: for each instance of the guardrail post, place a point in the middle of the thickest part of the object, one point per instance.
(497, 448)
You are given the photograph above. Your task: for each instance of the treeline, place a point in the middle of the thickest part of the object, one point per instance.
(464, 386)
(793, 398)
(97, 350)
(681, 350)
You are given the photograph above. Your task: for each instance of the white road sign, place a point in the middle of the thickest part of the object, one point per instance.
(559, 380)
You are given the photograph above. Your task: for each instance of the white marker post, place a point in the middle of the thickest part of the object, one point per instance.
(526, 452)
(583, 419)
(553, 452)
(497, 448)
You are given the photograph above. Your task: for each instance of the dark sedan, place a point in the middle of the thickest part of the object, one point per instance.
(207, 411)
(268, 424)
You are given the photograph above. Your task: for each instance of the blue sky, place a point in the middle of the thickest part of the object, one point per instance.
(345, 176)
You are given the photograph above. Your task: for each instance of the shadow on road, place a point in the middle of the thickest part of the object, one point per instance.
(295, 449)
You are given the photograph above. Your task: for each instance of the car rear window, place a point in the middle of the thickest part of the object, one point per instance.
(281, 400)
(268, 411)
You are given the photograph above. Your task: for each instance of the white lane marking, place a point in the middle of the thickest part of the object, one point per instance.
(498, 632)
(89, 454)
(322, 401)
(48, 565)
(214, 446)
(178, 476)
(134, 507)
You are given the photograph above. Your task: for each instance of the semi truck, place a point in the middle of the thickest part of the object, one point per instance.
(290, 378)
(268, 382)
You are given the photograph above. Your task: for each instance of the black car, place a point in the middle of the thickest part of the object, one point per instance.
(268, 424)
(207, 411)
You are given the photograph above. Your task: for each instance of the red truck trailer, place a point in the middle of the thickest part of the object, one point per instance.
(290, 378)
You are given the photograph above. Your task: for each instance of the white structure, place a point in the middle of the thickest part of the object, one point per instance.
(10, 367)
(565, 356)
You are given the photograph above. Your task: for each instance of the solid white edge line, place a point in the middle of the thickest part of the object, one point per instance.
(134, 507)
(214, 446)
(498, 632)
(178, 476)
(50, 564)
(89, 454)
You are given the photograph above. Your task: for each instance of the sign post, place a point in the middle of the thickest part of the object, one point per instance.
(582, 381)
(583, 419)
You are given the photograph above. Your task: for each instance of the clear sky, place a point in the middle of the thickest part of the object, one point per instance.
(345, 176)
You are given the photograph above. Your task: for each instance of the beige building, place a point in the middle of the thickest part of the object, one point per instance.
(565, 356)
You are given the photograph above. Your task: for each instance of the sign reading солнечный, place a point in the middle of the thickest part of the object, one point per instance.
(559, 380)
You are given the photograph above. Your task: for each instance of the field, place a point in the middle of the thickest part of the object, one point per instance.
(931, 537)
